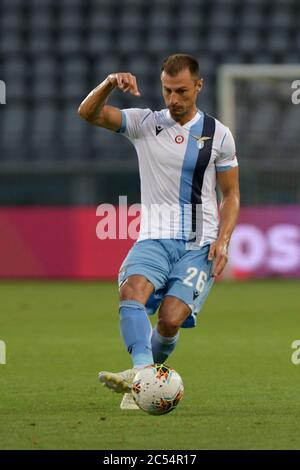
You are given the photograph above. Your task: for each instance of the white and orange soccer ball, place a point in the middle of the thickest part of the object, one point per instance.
(157, 389)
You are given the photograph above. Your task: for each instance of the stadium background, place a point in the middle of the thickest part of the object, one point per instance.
(53, 53)
(55, 169)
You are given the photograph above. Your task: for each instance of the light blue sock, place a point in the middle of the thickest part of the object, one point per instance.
(162, 346)
(136, 332)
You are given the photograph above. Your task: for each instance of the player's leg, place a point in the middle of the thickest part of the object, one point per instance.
(136, 332)
(162, 341)
(189, 284)
(135, 326)
(172, 313)
(145, 268)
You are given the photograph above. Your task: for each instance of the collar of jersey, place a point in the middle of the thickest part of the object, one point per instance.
(188, 124)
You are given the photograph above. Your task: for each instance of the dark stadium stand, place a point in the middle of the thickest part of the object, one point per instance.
(53, 53)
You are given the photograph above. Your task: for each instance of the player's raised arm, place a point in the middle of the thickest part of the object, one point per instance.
(94, 108)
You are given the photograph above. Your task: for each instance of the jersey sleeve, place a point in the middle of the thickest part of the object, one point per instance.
(227, 155)
(132, 122)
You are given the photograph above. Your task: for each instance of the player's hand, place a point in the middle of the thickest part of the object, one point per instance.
(219, 252)
(125, 81)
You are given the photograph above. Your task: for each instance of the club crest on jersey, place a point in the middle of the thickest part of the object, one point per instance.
(179, 139)
(200, 140)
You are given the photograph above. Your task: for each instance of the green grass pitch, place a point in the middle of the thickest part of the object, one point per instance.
(241, 388)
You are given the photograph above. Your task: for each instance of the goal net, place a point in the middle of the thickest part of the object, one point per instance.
(256, 102)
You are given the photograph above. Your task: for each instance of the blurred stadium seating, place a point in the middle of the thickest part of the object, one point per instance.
(53, 53)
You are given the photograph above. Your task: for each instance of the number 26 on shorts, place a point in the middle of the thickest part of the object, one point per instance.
(190, 278)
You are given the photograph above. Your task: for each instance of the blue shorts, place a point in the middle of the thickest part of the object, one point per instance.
(173, 270)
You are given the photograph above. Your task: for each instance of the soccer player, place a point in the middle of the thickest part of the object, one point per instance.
(183, 153)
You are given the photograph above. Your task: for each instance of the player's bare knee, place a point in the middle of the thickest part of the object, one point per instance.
(168, 326)
(135, 288)
(129, 292)
(172, 314)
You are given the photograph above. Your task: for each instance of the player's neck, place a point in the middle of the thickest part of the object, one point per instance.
(188, 117)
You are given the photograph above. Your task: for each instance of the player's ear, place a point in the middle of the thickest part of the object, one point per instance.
(199, 85)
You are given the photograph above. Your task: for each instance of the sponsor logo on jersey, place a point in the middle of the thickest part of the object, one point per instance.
(196, 294)
(200, 140)
(158, 129)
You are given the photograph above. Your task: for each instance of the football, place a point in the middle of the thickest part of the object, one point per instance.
(157, 389)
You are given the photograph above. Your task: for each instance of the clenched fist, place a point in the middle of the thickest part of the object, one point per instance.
(124, 81)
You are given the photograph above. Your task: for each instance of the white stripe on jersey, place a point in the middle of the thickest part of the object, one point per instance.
(178, 167)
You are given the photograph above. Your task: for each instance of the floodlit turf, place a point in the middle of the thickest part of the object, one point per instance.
(241, 388)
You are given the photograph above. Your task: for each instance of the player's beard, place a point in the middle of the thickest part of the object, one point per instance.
(177, 113)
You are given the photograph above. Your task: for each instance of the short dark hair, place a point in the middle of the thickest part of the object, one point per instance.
(175, 63)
